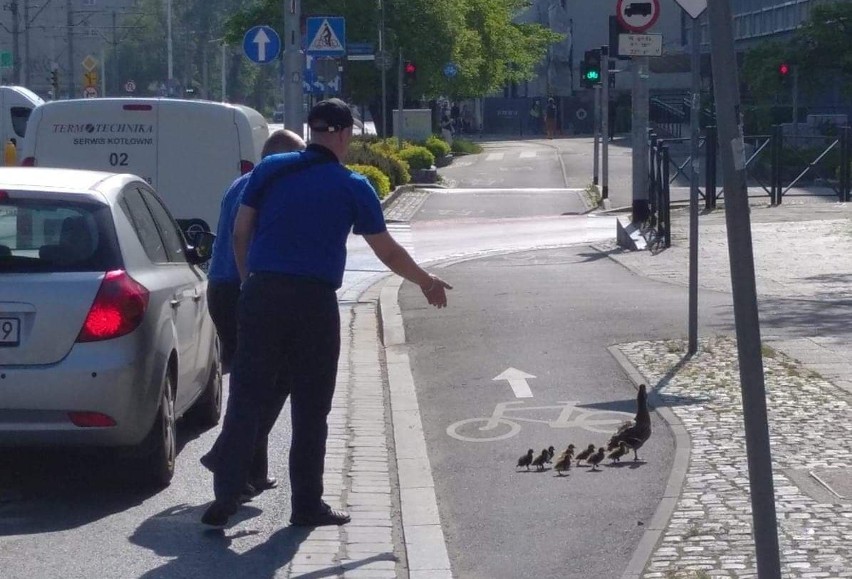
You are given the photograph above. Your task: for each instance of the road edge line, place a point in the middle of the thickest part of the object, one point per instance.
(423, 536)
(674, 486)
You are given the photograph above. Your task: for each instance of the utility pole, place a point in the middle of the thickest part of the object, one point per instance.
(400, 102)
(596, 163)
(16, 42)
(294, 64)
(225, 72)
(27, 43)
(116, 83)
(384, 72)
(741, 254)
(640, 139)
(70, 23)
(169, 48)
(796, 105)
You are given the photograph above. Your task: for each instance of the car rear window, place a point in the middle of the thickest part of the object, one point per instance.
(39, 235)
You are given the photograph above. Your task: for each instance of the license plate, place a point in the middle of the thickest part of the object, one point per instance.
(10, 332)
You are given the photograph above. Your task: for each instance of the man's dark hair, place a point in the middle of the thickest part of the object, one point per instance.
(282, 142)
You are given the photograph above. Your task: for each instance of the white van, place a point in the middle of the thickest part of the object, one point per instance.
(189, 151)
(16, 105)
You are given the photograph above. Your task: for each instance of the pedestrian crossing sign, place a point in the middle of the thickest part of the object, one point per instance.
(326, 36)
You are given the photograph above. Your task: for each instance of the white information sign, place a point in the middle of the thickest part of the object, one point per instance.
(640, 44)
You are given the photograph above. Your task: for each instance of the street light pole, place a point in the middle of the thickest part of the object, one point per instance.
(384, 72)
(169, 48)
(294, 64)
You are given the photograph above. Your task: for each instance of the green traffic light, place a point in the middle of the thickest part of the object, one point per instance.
(593, 75)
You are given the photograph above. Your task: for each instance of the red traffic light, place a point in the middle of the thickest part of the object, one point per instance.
(784, 69)
(410, 68)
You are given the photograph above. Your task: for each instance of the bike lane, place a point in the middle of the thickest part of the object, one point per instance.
(524, 343)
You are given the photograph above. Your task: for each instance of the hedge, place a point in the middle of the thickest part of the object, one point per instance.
(393, 167)
(417, 157)
(377, 178)
(438, 146)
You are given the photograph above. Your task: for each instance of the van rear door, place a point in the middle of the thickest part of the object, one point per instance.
(116, 135)
(199, 158)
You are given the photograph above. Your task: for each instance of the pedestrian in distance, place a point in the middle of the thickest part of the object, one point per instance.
(535, 118)
(550, 114)
(223, 292)
(447, 128)
(290, 247)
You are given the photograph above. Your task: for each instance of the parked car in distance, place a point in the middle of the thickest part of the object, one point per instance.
(105, 338)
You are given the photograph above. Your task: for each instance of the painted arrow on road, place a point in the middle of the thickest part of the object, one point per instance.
(518, 381)
(261, 39)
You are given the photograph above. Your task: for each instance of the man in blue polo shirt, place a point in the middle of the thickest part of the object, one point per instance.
(223, 292)
(290, 248)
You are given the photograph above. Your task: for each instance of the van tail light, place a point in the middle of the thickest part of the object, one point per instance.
(28, 162)
(118, 308)
(91, 419)
(246, 167)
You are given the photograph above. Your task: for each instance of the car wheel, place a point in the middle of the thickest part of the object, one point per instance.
(208, 409)
(161, 443)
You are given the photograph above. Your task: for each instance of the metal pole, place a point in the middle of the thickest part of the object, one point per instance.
(116, 83)
(605, 121)
(70, 23)
(596, 162)
(103, 72)
(795, 105)
(169, 47)
(397, 126)
(16, 42)
(27, 43)
(695, 128)
(294, 64)
(384, 72)
(640, 139)
(225, 73)
(732, 148)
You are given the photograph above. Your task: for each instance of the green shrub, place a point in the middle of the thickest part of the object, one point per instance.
(396, 169)
(465, 146)
(438, 146)
(369, 139)
(417, 157)
(379, 180)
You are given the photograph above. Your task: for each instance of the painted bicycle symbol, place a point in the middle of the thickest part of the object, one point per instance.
(505, 421)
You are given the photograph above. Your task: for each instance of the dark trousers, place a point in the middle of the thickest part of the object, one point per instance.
(222, 301)
(289, 339)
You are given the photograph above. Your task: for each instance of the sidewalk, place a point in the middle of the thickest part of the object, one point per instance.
(703, 527)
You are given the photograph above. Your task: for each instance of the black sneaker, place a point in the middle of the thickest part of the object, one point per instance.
(248, 493)
(326, 516)
(264, 483)
(218, 513)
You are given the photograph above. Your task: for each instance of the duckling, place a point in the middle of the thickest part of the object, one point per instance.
(550, 451)
(568, 452)
(597, 458)
(563, 464)
(525, 460)
(616, 454)
(585, 454)
(539, 461)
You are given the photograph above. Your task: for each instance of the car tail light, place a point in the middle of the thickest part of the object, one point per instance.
(28, 162)
(118, 308)
(91, 419)
(246, 167)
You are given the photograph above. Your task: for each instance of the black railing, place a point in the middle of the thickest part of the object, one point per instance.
(657, 229)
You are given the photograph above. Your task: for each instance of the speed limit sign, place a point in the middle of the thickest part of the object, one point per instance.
(130, 86)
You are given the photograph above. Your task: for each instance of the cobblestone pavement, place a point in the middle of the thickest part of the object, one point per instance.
(801, 253)
(710, 529)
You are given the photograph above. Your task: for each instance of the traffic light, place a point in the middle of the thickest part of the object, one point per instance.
(409, 70)
(54, 82)
(783, 70)
(590, 68)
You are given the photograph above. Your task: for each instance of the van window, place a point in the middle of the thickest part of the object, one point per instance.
(38, 235)
(143, 224)
(20, 116)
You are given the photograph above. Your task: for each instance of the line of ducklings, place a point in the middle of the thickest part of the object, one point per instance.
(592, 456)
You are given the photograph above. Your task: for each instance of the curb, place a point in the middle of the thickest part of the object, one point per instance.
(683, 447)
(425, 545)
(392, 196)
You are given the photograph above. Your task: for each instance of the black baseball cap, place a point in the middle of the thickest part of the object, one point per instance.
(329, 116)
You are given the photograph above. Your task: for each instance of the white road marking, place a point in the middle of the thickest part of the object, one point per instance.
(518, 381)
(494, 157)
(528, 154)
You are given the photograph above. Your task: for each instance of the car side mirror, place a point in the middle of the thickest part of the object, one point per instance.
(202, 247)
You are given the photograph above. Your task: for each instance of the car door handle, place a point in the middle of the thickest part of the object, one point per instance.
(196, 297)
(174, 303)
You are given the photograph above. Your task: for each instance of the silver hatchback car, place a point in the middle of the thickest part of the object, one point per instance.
(105, 338)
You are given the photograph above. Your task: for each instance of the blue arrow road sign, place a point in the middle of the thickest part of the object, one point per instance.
(326, 36)
(262, 44)
(450, 70)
